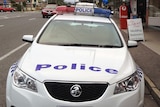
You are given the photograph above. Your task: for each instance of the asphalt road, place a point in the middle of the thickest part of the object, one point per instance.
(12, 27)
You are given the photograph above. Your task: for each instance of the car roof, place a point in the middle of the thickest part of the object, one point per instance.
(72, 16)
(85, 4)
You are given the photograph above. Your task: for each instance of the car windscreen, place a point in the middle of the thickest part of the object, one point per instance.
(51, 6)
(80, 33)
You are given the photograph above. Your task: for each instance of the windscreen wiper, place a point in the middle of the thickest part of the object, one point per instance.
(109, 46)
(90, 45)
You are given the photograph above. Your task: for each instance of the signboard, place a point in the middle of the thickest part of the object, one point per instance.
(84, 8)
(5, 2)
(135, 29)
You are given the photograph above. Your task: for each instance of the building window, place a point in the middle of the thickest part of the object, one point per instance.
(154, 8)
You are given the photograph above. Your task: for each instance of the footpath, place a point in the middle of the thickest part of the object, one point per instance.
(147, 56)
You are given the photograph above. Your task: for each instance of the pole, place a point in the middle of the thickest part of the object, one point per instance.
(5, 2)
(147, 12)
(21, 3)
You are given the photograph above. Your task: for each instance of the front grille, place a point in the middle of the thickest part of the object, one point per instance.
(61, 91)
(49, 11)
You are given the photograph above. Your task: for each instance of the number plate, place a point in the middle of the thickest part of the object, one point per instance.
(49, 13)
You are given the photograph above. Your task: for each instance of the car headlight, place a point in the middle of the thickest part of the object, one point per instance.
(22, 80)
(129, 84)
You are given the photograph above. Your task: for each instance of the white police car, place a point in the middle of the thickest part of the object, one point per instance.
(76, 61)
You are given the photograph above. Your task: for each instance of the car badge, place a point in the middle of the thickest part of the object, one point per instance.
(76, 90)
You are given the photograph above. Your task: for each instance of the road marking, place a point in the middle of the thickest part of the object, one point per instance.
(1, 25)
(9, 17)
(18, 16)
(32, 19)
(11, 52)
(6, 17)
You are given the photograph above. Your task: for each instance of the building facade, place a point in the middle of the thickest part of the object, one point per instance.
(154, 12)
(148, 10)
(4, 2)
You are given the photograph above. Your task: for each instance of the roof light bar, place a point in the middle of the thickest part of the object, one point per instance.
(91, 10)
(102, 12)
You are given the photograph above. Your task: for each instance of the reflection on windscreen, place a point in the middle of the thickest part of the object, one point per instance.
(51, 6)
(79, 33)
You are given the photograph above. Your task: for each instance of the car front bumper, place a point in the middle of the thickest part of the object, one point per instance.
(18, 97)
(48, 14)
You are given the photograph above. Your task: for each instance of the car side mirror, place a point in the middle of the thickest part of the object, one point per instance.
(28, 38)
(132, 44)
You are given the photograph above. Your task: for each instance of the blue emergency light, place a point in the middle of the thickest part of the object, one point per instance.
(102, 12)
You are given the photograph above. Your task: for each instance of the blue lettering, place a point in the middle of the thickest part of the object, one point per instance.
(83, 66)
(74, 67)
(95, 68)
(111, 71)
(60, 67)
(40, 66)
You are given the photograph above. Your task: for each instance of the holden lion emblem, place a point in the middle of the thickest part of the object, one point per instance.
(76, 90)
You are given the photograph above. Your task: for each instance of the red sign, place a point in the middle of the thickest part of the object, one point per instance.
(123, 13)
(123, 16)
